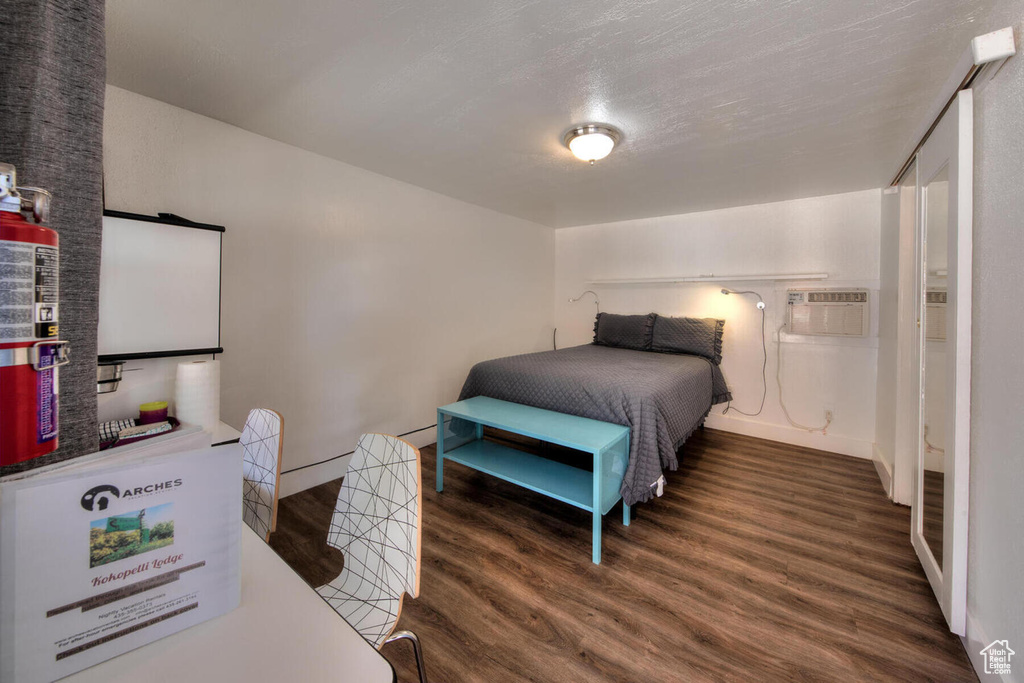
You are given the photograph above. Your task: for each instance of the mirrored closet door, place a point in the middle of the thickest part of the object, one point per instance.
(944, 207)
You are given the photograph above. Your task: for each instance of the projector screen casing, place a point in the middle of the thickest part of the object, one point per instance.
(159, 287)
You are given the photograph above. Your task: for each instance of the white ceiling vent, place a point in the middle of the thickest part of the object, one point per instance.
(829, 312)
(935, 315)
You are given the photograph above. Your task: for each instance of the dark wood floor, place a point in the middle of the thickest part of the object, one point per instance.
(763, 561)
(933, 494)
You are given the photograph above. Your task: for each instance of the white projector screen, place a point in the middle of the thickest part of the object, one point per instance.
(159, 287)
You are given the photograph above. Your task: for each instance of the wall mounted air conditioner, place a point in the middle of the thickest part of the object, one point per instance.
(935, 315)
(828, 312)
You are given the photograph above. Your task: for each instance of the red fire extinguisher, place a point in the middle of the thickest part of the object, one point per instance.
(30, 351)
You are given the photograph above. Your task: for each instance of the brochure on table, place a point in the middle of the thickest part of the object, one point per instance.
(100, 558)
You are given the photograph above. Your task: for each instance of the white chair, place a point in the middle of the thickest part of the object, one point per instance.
(378, 526)
(261, 469)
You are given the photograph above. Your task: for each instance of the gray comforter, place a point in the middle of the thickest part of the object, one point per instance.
(661, 397)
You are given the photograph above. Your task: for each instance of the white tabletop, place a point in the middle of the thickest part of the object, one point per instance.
(282, 631)
(223, 432)
(185, 437)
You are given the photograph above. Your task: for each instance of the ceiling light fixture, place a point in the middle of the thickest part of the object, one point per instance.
(592, 142)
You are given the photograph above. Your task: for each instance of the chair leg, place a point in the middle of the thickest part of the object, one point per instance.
(416, 648)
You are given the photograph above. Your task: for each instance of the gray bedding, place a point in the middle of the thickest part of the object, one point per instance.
(661, 397)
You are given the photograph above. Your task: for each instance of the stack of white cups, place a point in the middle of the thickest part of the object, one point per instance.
(197, 393)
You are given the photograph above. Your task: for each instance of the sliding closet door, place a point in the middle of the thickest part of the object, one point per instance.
(908, 345)
(939, 508)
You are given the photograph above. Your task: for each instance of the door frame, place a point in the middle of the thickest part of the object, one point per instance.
(952, 143)
(908, 343)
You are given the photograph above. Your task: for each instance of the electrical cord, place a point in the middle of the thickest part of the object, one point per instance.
(928, 447)
(778, 380)
(342, 455)
(764, 377)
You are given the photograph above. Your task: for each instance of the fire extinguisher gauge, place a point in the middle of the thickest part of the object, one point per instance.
(38, 201)
(18, 199)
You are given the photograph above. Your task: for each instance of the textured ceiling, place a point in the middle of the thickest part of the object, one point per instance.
(721, 102)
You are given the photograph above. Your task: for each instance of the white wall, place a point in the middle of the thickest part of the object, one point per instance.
(837, 234)
(351, 302)
(995, 580)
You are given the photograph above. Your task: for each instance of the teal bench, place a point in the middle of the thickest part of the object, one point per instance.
(595, 492)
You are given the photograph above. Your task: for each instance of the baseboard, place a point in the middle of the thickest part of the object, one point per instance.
(975, 641)
(883, 468)
(934, 462)
(314, 475)
(824, 442)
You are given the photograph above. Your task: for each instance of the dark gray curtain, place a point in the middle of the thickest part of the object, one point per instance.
(52, 74)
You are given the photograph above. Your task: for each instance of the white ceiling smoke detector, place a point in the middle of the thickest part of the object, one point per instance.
(592, 142)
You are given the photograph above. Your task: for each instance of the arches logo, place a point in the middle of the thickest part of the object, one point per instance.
(99, 497)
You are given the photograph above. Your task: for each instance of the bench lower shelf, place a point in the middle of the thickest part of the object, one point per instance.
(554, 479)
(604, 445)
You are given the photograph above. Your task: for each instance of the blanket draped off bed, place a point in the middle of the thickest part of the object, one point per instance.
(662, 397)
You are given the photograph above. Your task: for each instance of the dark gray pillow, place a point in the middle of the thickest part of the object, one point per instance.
(624, 331)
(696, 336)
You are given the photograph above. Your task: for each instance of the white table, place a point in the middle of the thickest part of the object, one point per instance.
(185, 437)
(282, 631)
(224, 433)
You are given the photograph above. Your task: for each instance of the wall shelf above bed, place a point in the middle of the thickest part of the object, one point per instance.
(711, 277)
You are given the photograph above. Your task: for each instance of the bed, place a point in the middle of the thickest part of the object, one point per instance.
(663, 396)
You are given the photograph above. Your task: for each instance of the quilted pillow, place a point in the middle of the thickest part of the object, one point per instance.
(624, 331)
(695, 336)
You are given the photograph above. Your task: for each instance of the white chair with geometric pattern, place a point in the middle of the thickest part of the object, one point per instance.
(261, 469)
(377, 524)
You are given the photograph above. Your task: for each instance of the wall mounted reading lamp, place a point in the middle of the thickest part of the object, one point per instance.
(597, 302)
(572, 300)
(760, 301)
(764, 352)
